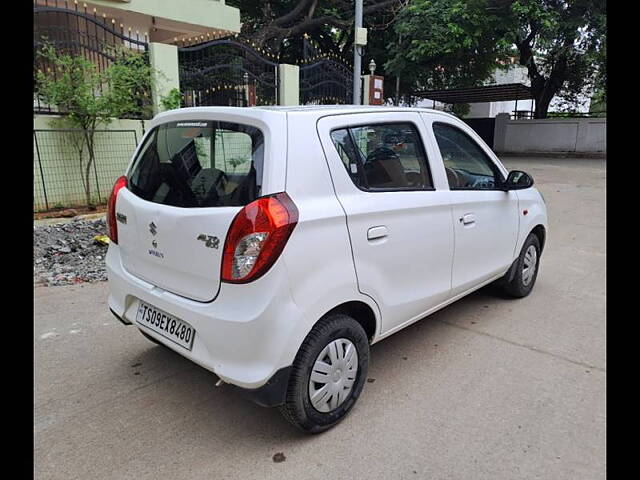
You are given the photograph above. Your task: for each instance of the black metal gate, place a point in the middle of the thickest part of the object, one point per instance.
(326, 81)
(226, 72)
(77, 31)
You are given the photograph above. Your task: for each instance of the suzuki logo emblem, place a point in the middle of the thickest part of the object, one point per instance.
(152, 228)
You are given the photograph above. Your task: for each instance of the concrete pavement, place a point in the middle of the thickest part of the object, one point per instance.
(487, 388)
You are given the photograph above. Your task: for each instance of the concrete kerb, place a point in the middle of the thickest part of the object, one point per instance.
(602, 155)
(60, 220)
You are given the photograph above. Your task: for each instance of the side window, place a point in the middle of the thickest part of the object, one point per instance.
(384, 157)
(342, 141)
(466, 164)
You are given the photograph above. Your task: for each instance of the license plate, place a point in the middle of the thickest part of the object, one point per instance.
(170, 327)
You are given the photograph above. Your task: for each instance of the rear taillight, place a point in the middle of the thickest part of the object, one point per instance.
(112, 226)
(257, 236)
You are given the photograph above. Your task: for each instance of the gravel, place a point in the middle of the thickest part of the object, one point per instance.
(66, 253)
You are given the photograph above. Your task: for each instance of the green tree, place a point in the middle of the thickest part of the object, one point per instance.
(90, 99)
(328, 24)
(445, 44)
(460, 109)
(171, 100)
(562, 45)
(598, 105)
(458, 43)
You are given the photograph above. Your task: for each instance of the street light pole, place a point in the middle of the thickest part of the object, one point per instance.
(398, 76)
(357, 57)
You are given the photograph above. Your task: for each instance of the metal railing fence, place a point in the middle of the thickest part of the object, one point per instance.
(60, 159)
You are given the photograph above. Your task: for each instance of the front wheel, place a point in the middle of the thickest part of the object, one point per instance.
(328, 374)
(526, 269)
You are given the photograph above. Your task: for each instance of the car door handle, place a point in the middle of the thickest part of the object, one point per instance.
(377, 232)
(468, 219)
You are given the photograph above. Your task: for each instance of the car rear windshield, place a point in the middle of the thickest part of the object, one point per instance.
(199, 164)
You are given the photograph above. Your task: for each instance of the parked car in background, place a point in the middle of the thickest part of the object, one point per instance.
(274, 245)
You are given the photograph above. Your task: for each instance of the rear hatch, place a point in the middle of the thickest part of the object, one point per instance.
(187, 183)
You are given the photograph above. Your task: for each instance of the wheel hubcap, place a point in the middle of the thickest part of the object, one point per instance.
(530, 263)
(333, 375)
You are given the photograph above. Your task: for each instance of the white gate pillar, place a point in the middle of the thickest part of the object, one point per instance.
(288, 84)
(165, 77)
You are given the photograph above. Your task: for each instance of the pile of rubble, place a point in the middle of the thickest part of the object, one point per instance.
(67, 253)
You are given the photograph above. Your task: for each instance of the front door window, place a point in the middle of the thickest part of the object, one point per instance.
(466, 164)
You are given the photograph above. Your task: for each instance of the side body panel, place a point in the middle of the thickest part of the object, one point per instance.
(485, 222)
(407, 271)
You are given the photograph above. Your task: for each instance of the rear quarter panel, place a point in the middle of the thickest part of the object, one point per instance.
(318, 255)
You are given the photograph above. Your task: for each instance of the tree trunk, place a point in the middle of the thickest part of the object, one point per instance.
(543, 88)
(542, 105)
(78, 142)
(88, 135)
(543, 91)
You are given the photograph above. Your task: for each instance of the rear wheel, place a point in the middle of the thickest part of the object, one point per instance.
(526, 269)
(328, 374)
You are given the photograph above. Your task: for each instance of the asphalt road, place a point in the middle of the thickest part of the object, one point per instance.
(488, 388)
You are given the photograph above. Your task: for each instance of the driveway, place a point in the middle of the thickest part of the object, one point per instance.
(487, 388)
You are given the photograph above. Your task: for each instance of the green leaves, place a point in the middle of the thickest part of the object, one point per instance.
(172, 100)
(88, 96)
(71, 83)
(456, 43)
(449, 42)
(129, 83)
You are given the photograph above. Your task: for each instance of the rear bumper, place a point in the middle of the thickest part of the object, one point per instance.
(248, 336)
(272, 393)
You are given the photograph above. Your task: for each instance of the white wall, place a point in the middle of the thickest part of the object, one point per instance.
(550, 135)
(491, 109)
(479, 110)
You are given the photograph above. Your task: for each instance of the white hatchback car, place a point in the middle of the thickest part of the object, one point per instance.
(274, 245)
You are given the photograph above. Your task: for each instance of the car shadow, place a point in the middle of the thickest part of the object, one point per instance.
(224, 411)
(220, 410)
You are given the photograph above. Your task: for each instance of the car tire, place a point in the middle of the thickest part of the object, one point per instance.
(331, 343)
(519, 280)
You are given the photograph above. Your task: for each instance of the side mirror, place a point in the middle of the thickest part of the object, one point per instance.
(517, 180)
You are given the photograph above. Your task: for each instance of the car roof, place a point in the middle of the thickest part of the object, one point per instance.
(337, 108)
(322, 110)
(264, 112)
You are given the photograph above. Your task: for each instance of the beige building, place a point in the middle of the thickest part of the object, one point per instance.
(163, 21)
(156, 26)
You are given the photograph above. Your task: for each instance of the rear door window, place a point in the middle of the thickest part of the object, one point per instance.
(384, 157)
(199, 164)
